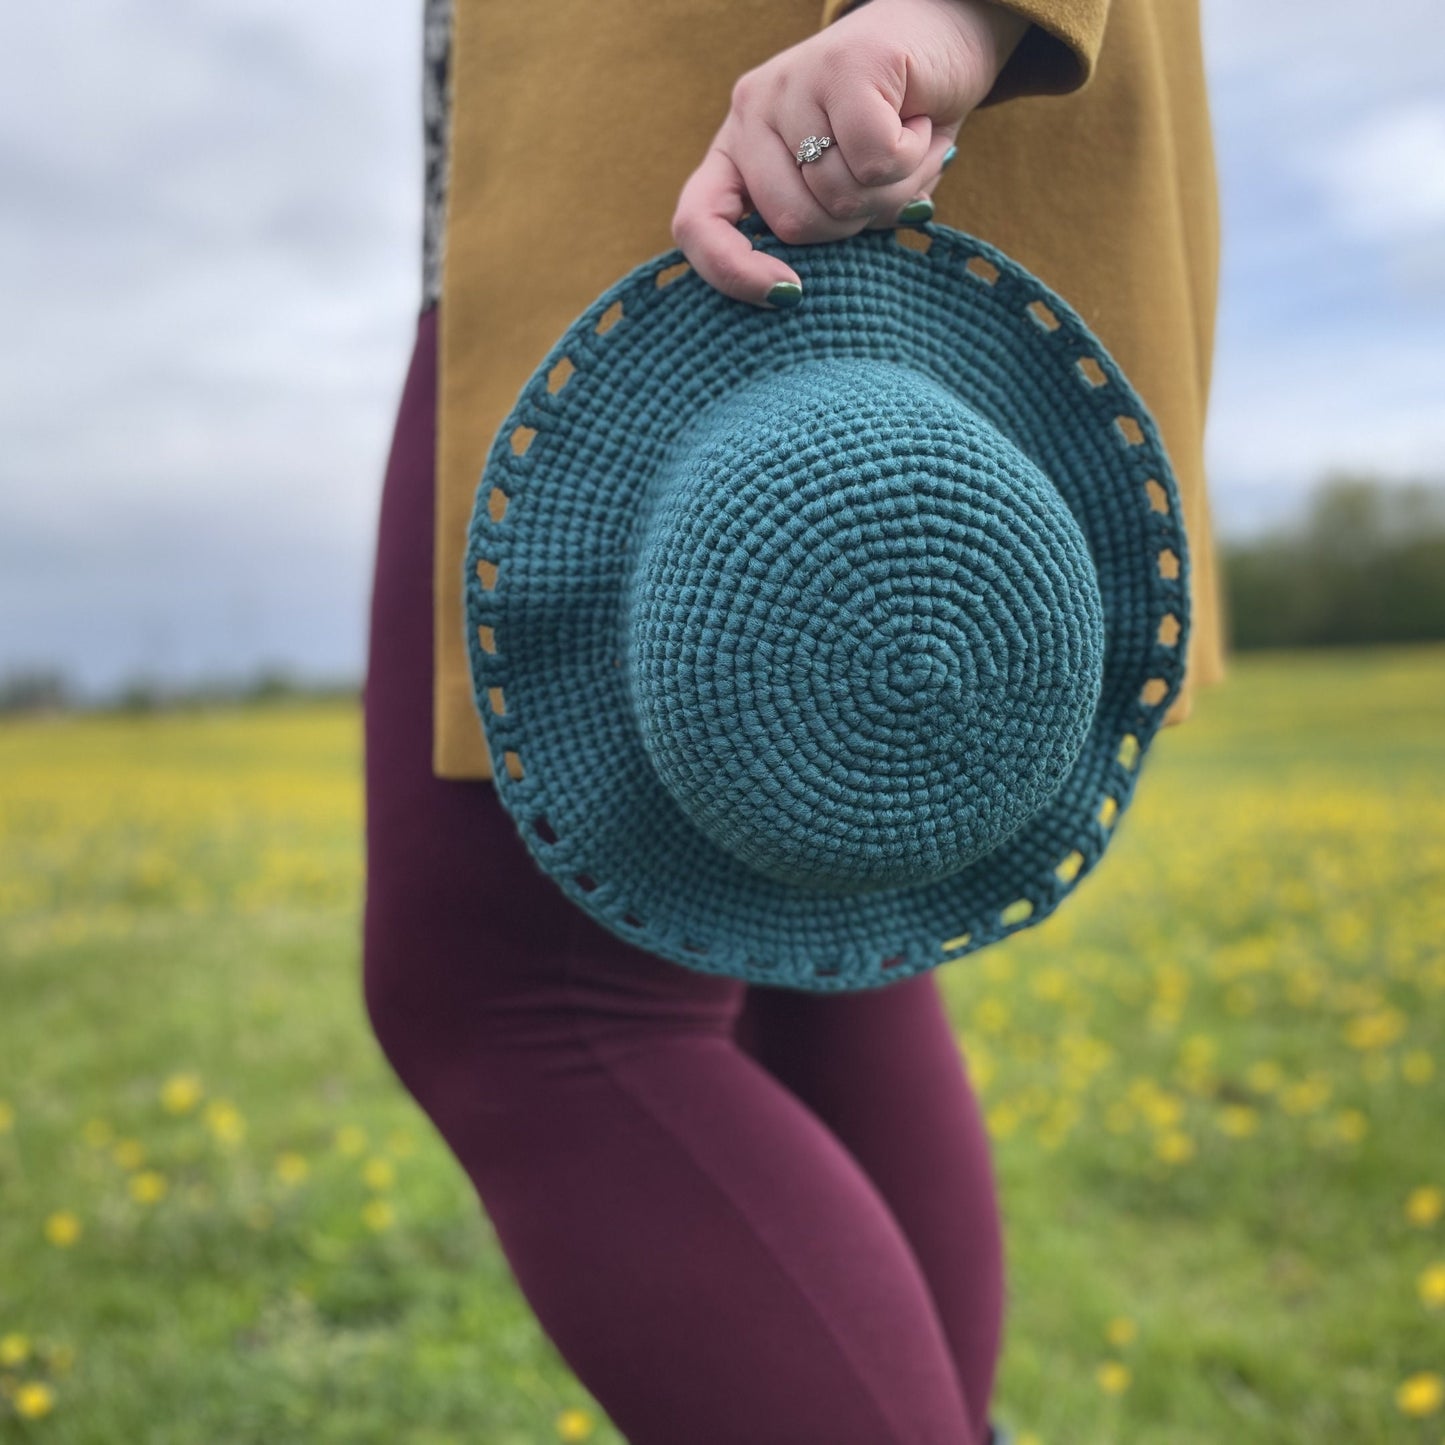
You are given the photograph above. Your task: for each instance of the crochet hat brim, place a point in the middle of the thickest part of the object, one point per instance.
(547, 565)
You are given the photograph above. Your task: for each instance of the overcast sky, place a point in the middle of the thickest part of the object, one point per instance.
(210, 272)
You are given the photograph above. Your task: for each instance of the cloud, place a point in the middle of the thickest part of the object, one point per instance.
(210, 270)
(1384, 177)
(1330, 342)
(210, 248)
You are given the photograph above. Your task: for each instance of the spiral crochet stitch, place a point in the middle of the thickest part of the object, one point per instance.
(819, 647)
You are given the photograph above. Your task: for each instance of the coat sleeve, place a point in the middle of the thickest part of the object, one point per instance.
(1056, 56)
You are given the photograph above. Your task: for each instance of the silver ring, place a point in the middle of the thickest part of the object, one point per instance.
(812, 147)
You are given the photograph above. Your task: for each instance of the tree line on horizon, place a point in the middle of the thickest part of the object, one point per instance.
(1365, 564)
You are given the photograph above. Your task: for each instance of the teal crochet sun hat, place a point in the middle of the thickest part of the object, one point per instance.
(818, 647)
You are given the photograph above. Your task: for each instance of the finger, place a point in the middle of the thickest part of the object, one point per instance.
(881, 147)
(712, 201)
(815, 200)
(919, 186)
(838, 191)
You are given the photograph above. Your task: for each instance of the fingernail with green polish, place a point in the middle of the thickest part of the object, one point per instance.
(919, 210)
(948, 156)
(785, 293)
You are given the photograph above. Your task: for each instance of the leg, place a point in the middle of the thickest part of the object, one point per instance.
(703, 1252)
(883, 1070)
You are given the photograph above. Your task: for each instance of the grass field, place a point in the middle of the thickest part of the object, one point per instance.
(1215, 1078)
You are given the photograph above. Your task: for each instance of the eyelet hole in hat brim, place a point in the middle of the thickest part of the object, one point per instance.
(1128, 753)
(1043, 315)
(1068, 870)
(1130, 430)
(560, 375)
(608, 319)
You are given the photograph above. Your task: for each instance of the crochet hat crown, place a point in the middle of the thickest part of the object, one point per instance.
(863, 633)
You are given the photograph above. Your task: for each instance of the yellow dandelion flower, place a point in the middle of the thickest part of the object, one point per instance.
(1420, 1394)
(291, 1167)
(1050, 984)
(97, 1133)
(1264, 1076)
(1375, 1030)
(1164, 1110)
(7, 1116)
(1417, 1066)
(62, 1229)
(1003, 1120)
(129, 1153)
(1174, 1146)
(180, 1093)
(350, 1139)
(1431, 1285)
(1199, 1049)
(574, 1425)
(148, 1187)
(225, 1122)
(1305, 1096)
(400, 1143)
(377, 1214)
(1120, 1331)
(33, 1400)
(991, 1015)
(379, 1173)
(1352, 1125)
(1238, 1120)
(1113, 1377)
(1423, 1206)
(1031, 1437)
(14, 1349)
(1303, 987)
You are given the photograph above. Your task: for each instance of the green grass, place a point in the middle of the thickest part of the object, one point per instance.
(1214, 1077)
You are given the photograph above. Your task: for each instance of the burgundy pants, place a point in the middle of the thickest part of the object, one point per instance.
(742, 1215)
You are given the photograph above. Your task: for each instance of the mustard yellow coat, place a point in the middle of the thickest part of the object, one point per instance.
(574, 125)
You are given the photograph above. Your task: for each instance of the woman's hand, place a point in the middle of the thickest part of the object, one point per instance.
(891, 81)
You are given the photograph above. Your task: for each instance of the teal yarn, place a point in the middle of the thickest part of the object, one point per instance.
(934, 706)
(821, 646)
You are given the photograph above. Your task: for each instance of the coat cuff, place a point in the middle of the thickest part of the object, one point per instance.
(1056, 56)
